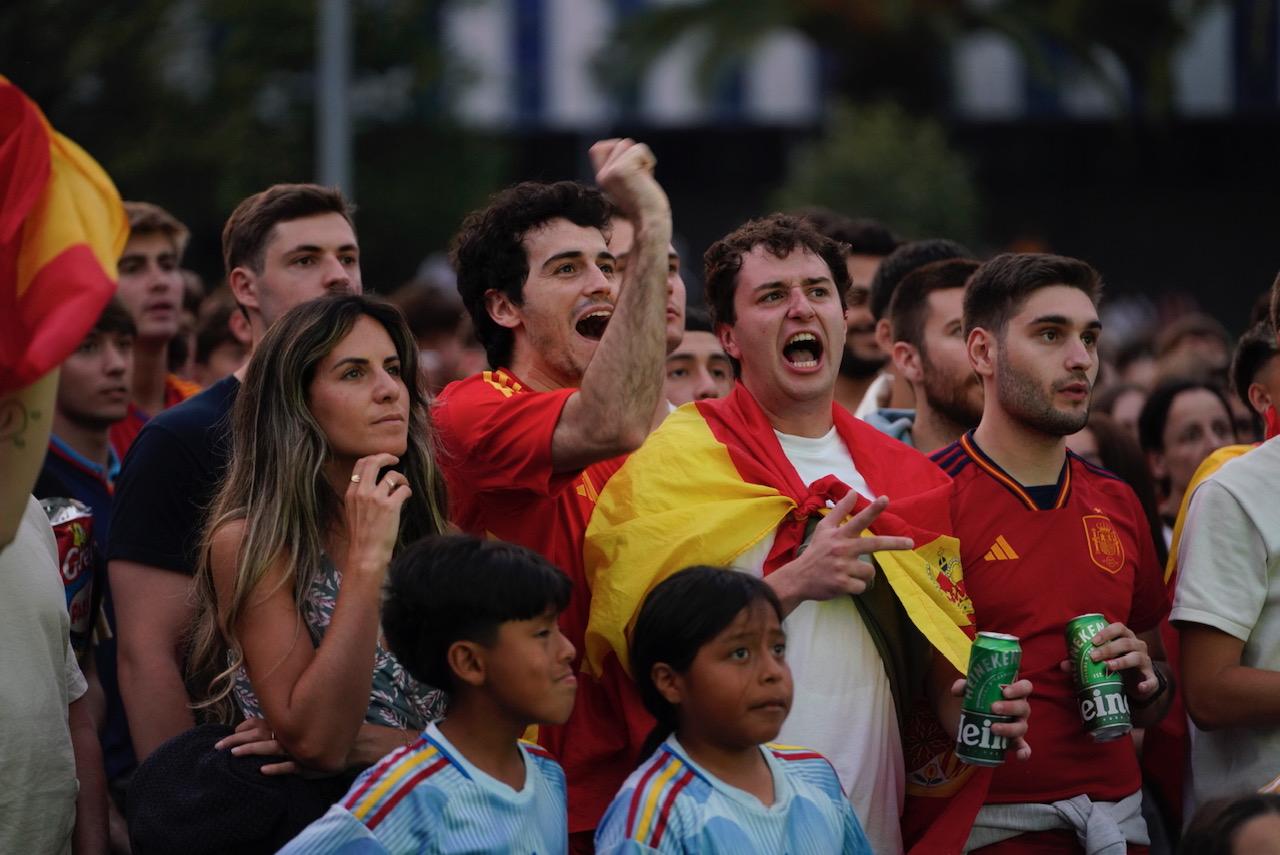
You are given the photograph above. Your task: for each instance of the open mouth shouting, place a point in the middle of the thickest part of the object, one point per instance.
(592, 325)
(802, 350)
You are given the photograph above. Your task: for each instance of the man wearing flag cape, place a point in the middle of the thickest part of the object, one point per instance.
(764, 480)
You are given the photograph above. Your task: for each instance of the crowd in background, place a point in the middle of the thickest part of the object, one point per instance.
(333, 554)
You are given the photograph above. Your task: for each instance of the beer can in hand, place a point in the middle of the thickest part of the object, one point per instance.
(993, 664)
(1100, 694)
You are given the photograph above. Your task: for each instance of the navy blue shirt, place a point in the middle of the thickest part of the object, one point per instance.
(68, 474)
(168, 481)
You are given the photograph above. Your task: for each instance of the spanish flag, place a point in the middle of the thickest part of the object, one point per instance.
(712, 482)
(62, 228)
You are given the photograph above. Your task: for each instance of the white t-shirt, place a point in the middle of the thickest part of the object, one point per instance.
(1229, 579)
(843, 705)
(40, 678)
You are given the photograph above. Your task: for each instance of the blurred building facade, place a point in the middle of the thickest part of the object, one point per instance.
(533, 64)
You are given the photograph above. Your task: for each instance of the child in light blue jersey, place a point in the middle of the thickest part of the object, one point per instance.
(477, 618)
(708, 658)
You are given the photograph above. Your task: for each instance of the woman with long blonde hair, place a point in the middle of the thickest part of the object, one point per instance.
(331, 473)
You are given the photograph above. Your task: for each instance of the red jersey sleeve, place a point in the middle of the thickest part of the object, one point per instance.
(1150, 597)
(496, 435)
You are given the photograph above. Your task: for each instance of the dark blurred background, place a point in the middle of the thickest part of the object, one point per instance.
(1139, 135)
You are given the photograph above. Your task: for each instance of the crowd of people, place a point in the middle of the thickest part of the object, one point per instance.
(535, 556)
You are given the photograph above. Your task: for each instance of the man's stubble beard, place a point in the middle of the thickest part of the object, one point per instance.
(1026, 402)
(955, 402)
(858, 368)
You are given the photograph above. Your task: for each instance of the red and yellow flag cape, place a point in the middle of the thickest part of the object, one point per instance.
(713, 481)
(62, 228)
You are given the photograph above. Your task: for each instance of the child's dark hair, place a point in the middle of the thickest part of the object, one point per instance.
(448, 588)
(680, 615)
(1213, 829)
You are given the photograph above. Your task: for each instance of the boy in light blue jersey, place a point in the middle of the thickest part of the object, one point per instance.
(708, 656)
(477, 618)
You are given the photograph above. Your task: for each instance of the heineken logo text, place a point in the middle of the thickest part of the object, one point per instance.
(996, 659)
(1085, 634)
(1095, 704)
(978, 735)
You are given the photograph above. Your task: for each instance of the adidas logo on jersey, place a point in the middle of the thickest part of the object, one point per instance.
(1000, 550)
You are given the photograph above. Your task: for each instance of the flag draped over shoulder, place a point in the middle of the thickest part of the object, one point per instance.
(62, 228)
(712, 482)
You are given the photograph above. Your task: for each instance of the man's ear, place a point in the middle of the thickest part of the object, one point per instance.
(724, 332)
(241, 329)
(983, 351)
(244, 287)
(502, 309)
(906, 359)
(1259, 398)
(668, 683)
(467, 662)
(884, 335)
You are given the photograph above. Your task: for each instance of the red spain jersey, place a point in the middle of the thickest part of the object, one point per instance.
(495, 451)
(495, 444)
(1034, 559)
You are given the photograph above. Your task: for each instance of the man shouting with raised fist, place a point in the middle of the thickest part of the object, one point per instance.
(576, 355)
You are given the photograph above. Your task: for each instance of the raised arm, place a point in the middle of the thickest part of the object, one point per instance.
(25, 420)
(613, 409)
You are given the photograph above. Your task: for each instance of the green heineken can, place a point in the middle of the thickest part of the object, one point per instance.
(1104, 706)
(993, 664)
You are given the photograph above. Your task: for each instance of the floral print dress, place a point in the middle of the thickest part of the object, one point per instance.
(395, 700)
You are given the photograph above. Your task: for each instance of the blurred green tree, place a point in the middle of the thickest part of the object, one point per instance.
(879, 161)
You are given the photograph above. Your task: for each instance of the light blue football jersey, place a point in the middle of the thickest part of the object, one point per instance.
(427, 798)
(672, 805)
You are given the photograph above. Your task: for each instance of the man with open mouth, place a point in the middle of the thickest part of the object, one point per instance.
(864, 360)
(778, 480)
(576, 354)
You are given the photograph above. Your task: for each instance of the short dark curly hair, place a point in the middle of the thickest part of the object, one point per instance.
(780, 234)
(863, 235)
(488, 252)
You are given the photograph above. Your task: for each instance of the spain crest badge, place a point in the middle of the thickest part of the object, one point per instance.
(1105, 546)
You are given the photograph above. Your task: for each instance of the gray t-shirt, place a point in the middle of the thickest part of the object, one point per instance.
(39, 677)
(1229, 579)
